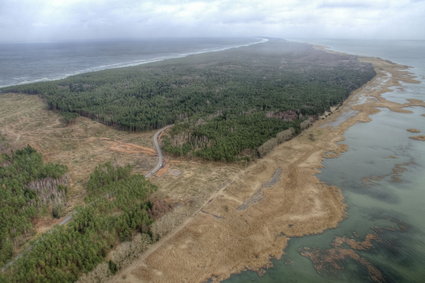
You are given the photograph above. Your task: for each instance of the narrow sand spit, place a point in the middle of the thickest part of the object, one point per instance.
(418, 138)
(222, 239)
(415, 131)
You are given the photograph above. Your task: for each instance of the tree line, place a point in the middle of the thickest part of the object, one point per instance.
(231, 85)
(22, 200)
(117, 207)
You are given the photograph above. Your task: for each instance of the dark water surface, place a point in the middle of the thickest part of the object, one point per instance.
(389, 206)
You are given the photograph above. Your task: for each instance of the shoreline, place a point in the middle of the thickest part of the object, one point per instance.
(136, 63)
(250, 221)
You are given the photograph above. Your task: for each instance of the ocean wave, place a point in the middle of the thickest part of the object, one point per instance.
(135, 63)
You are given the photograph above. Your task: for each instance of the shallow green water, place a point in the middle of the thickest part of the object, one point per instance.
(393, 208)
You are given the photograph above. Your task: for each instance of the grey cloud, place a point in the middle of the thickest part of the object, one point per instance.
(344, 4)
(49, 20)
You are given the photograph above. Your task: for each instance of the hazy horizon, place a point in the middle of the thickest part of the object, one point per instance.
(78, 20)
(129, 40)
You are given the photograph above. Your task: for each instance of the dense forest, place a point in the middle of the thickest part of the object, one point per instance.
(29, 188)
(116, 207)
(228, 102)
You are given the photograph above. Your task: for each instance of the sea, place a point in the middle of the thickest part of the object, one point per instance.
(393, 208)
(390, 205)
(22, 63)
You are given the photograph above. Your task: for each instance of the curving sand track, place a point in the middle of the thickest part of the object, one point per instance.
(246, 223)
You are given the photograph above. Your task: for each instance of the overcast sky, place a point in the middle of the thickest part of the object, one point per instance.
(64, 20)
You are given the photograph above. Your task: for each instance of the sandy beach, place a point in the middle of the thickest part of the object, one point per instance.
(248, 222)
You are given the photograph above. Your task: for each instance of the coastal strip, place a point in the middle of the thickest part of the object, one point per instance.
(137, 63)
(228, 240)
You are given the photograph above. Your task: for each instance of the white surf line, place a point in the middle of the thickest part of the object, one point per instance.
(160, 162)
(137, 63)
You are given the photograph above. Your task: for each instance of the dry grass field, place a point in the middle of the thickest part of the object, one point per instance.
(250, 221)
(24, 119)
(226, 217)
